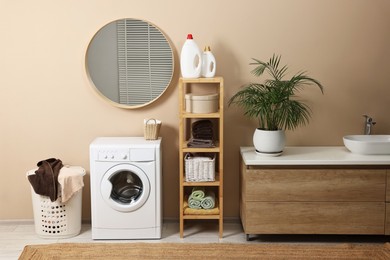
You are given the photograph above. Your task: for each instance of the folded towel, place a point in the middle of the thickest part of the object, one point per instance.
(202, 124)
(71, 181)
(202, 129)
(200, 143)
(198, 192)
(208, 202)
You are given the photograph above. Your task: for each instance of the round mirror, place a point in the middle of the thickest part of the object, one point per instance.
(130, 63)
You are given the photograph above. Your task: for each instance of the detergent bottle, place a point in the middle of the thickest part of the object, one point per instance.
(190, 59)
(208, 63)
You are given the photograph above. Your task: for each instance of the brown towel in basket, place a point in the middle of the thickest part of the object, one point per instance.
(45, 179)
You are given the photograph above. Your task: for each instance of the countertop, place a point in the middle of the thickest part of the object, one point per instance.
(313, 155)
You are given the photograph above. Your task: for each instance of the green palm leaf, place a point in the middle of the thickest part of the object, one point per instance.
(274, 102)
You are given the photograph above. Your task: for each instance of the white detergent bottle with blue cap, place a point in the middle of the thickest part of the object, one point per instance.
(190, 59)
(208, 63)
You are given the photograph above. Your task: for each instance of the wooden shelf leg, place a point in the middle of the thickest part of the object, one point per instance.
(181, 227)
(221, 228)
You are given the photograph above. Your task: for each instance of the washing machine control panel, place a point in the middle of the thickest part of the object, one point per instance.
(114, 155)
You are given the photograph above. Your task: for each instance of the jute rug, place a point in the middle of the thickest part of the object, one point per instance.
(204, 251)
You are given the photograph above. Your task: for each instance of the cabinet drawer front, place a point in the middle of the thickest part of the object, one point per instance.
(388, 186)
(315, 218)
(387, 221)
(315, 185)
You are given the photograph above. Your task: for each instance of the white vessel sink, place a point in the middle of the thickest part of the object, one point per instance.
(368, 144)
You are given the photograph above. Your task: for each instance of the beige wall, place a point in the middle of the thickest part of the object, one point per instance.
(48, 108)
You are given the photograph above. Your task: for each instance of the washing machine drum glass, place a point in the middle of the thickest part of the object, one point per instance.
(127, 187)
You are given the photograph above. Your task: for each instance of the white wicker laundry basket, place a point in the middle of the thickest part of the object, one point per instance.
(199, 168)
(56, 219)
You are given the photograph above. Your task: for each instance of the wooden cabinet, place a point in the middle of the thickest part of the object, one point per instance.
(202, 86)
(327, 199)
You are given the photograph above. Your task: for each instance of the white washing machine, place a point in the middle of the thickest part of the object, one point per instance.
(126, 193)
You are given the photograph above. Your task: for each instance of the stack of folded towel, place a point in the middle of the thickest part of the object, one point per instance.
(202, 134)
(200, 199)
(202, 129)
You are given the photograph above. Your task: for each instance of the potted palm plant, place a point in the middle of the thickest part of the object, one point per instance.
(274, 104)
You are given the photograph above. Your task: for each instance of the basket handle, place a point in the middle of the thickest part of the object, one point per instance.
(155, 121)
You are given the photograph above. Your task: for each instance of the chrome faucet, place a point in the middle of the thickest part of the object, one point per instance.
(368, 125)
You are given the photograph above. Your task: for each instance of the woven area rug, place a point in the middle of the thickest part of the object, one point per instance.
(204, 251)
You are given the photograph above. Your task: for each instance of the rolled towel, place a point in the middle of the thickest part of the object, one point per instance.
(198, 192)
(194, 203)
(208, 202)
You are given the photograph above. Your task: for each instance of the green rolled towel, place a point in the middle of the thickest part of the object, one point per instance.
(198, 192)
(194, 202)
(208, 202)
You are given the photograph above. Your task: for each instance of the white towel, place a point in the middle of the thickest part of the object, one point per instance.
(71, 180)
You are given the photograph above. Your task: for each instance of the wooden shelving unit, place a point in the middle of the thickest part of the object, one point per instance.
(192, 86)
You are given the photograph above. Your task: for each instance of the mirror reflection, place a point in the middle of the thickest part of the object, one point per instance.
(130, 62)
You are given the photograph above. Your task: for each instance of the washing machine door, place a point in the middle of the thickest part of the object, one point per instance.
(125, 187)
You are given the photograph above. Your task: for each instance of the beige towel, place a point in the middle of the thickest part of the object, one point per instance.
(71, 180)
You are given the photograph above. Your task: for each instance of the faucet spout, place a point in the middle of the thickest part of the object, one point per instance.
(369, 122)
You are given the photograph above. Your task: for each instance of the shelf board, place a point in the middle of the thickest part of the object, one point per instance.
(202, 80)
(200, 216)
(192, 115)
(201, 150)
(187, 149)
(202, 183)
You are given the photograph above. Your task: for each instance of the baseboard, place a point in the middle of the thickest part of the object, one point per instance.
(88, 221)
(225, 219)
(17, 222)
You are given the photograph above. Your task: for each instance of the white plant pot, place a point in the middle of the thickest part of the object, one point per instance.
(270, 143)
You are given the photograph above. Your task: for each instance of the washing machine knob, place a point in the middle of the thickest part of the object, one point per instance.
(124, 156)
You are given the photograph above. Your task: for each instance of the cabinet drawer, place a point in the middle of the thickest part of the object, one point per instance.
(387, 221)
(388, 186)
(314, 184)
(315, 218)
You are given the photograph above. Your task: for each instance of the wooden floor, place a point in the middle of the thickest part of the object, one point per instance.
(15, 235)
